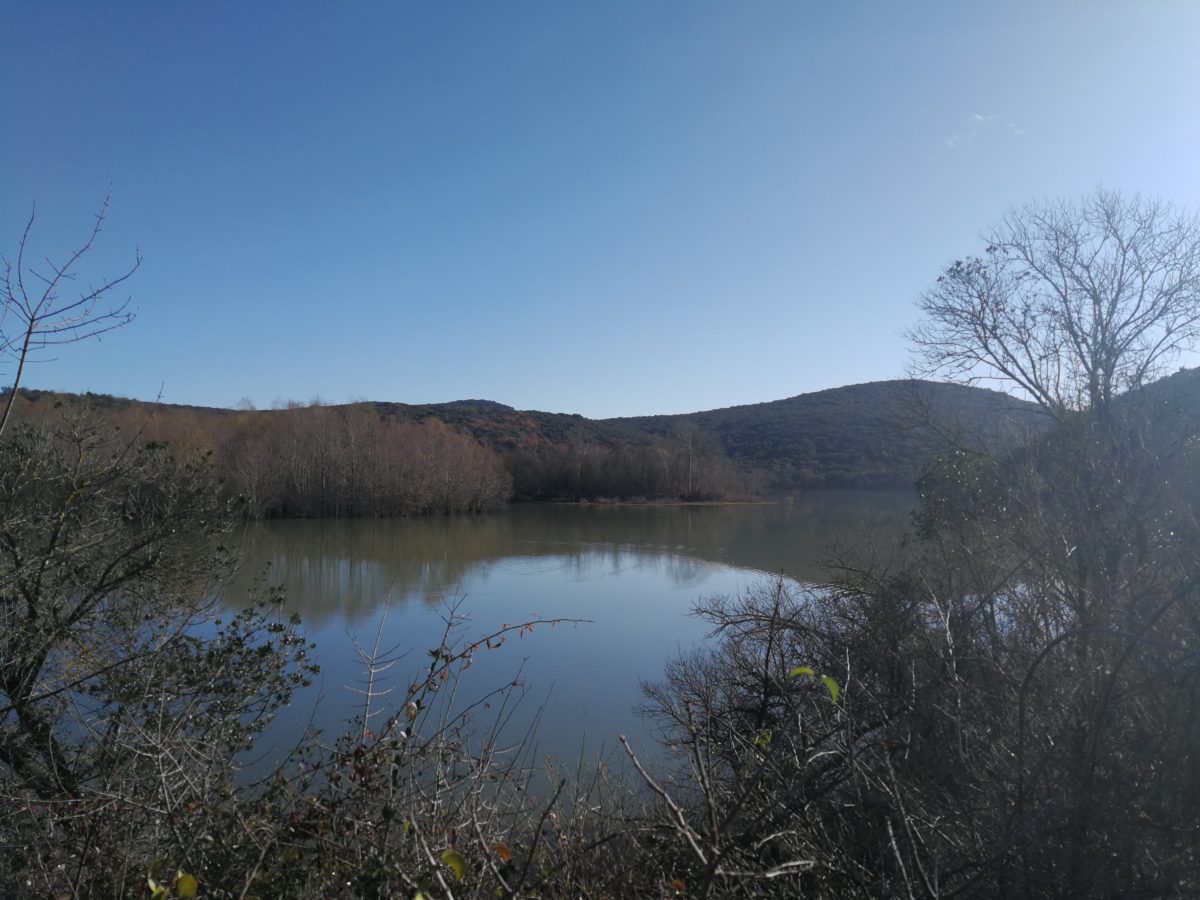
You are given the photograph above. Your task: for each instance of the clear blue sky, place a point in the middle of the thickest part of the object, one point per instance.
(604, 207)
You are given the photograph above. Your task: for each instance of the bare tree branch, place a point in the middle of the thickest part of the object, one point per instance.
(33, 321)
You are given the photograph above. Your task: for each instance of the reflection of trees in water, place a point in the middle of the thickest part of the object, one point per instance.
(346, 568)
(599, 560)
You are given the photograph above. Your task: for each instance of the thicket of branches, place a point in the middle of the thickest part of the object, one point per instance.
(684, 465)
(123, 696)
(1017, 705)
(334, 462)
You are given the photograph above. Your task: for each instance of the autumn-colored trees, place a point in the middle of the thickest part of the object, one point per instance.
(314, 460)
(346, 461)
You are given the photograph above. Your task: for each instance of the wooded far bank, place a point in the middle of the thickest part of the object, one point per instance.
(389, 459)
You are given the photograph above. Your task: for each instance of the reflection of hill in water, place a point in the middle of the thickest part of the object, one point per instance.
(346, 568)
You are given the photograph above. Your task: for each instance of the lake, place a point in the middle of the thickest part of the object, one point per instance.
(633, 572)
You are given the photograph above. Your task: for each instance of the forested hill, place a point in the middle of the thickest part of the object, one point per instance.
(878, 434)
(861, 436)
(502, 427)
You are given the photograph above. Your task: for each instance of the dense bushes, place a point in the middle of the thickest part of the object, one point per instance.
(122, 701)
(1018, 702)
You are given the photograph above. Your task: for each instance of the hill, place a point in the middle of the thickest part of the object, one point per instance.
(875, 435)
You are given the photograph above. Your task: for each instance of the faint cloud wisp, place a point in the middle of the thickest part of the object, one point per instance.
(979, 126)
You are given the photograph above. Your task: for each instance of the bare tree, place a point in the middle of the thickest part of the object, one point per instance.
(1072, 301)
(36, 314)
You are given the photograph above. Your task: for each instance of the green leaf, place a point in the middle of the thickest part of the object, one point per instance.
(455, 861)
(186, 884)
(763, 741)
(830, 683)
(832, 686)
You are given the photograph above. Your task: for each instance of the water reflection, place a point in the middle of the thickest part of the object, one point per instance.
(632, 572)
(347, 569)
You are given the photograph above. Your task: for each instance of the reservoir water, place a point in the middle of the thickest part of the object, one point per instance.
(629, 574)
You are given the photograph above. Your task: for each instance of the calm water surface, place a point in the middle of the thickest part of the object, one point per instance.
(633, 572)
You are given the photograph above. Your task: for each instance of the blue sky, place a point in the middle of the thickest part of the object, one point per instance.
(607, 208)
